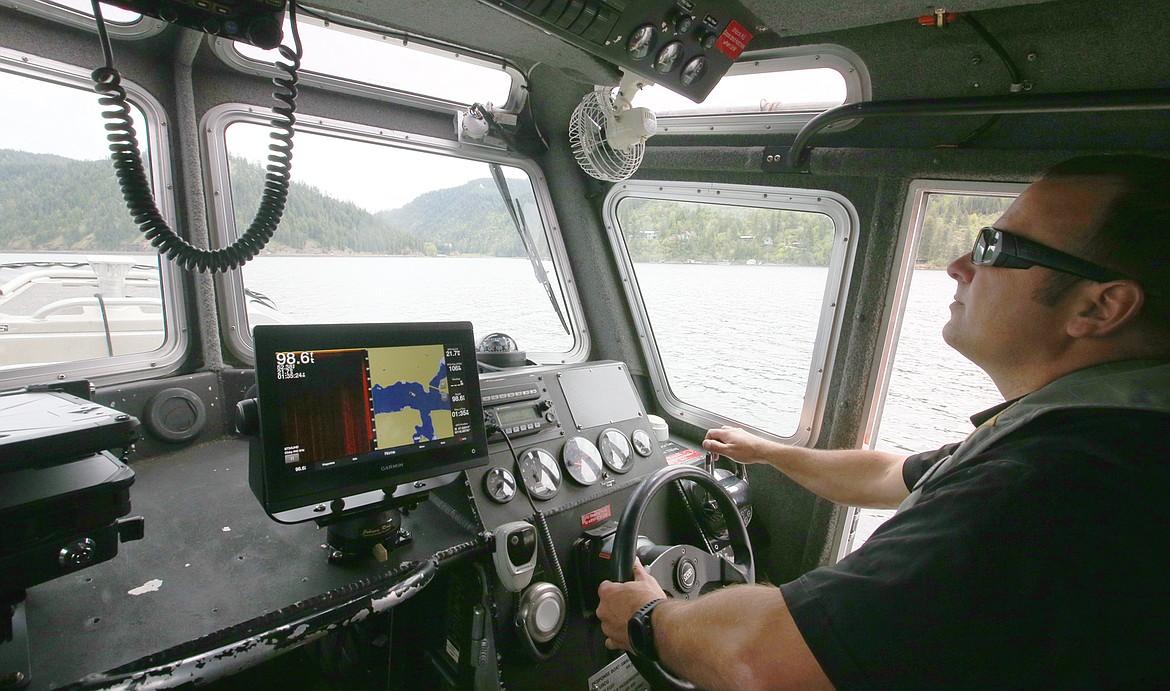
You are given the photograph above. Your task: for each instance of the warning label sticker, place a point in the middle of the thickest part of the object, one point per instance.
(596, 516)
(676, 454)
(734, 40)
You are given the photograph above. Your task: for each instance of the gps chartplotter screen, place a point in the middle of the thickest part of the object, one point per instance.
(351, 408)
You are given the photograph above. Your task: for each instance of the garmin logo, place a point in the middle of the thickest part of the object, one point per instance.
(392, 466)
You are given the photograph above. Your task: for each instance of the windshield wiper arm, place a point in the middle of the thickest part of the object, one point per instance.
(517, 215)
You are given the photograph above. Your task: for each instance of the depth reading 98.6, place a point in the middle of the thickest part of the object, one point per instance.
(286, 363)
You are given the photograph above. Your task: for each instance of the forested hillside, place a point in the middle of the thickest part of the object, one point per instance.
(672, 231)
(951, 223)
(470, 219)
(54, 203)
(314, 222)
(50, 203)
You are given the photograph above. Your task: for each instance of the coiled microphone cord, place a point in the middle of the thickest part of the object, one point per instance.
(131, 173)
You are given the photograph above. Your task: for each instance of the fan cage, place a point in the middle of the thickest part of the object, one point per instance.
(587, 137)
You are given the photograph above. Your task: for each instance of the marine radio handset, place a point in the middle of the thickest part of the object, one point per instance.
(515, 554)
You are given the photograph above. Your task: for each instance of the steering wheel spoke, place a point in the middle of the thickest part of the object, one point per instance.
(685, 571)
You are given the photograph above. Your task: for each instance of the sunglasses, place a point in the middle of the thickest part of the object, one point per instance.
(995, 247)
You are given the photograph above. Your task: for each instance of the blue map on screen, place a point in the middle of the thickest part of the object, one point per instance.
(422, 407)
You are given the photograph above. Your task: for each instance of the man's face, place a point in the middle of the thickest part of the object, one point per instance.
(996, 320)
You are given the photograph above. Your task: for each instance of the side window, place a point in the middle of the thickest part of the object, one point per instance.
(728, 275)
(120, 23)
(931, 390)
(381, 62)
(387, 227)
(82, 293)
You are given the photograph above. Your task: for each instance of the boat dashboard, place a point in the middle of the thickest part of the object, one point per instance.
(473, 578)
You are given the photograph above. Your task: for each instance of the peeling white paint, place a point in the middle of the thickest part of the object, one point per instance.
(147, 587)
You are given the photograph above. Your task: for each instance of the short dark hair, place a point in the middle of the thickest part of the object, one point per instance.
(1134, 235)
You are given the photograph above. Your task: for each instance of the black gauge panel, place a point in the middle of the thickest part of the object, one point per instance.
(651, 38)
(541, 474)
(615, 450)
(582, 460)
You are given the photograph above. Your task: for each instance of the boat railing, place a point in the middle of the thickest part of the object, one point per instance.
(99, 301)
(58, 274)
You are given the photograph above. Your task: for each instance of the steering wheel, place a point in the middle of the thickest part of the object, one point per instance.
(683, 571)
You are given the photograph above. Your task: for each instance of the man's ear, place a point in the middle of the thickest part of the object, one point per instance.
(1104, 307)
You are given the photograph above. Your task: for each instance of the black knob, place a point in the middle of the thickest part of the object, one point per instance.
(248, 417)
(264, 32)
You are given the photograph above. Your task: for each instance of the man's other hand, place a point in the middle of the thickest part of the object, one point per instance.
(735, 443)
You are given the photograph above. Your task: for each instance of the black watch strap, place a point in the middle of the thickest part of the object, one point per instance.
(641, 631)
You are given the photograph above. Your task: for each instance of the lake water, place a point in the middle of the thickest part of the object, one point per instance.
(931, 393)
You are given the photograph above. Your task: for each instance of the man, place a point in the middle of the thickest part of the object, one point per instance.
(1030, 554)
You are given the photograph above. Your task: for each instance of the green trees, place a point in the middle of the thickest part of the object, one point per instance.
(660, 230)
(51, 203)
(469, 219)
(315, 223)
(951, 222)
(54, 203)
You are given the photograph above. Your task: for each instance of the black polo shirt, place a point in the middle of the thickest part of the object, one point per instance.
(1036, 563)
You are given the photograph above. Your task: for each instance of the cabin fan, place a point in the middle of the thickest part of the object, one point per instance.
(608, 136)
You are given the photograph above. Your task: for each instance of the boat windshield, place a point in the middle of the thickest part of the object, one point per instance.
(378, 231)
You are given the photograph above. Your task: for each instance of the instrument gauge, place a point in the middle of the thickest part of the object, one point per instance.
(615, 450)
(540, 473)
(582, 460)
(500, 485)
(643, 445)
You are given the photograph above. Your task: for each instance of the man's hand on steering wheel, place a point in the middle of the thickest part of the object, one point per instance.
(686, 572)
(619, 601)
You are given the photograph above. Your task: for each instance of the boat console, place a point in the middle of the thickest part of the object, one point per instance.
(486, 502)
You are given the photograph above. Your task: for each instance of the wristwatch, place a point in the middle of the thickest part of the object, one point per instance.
(641, 631)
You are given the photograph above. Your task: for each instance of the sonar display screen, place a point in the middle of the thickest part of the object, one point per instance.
(383, 401)
(356, 407)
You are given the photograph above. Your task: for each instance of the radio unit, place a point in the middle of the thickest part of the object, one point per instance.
(520, 409)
